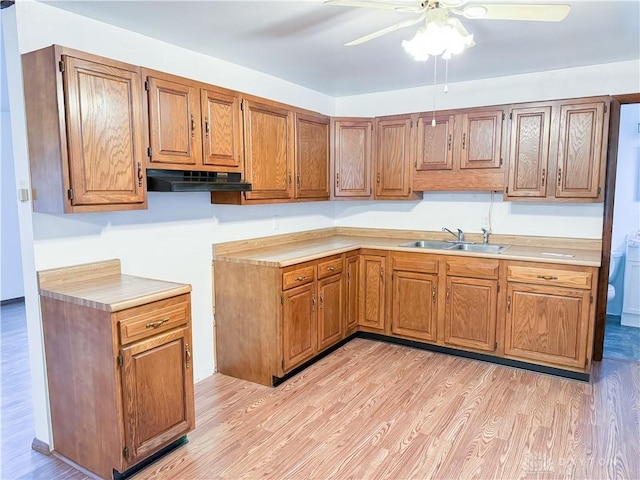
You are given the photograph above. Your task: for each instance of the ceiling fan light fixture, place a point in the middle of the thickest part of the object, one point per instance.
(475, 11)
(440, 36)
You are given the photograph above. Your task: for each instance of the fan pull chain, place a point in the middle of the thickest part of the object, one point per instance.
(446, 76)
(435, 70)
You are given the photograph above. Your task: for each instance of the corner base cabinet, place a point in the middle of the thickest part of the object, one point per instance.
(120, 383)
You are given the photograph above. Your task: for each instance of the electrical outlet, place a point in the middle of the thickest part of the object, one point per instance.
(276, 222)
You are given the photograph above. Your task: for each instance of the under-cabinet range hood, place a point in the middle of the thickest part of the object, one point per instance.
(190, 181)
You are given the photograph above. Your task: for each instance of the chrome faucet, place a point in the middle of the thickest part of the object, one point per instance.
(485, 235)
(459, 235)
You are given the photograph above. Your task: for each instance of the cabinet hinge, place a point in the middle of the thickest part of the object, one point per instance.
(498, 288)
(511, 116)
(586, 360)
(590, 298)
(599, 190)
(146, 85)
(495, 347)
(506, 190)
(606, 107)
(370, 190)
(415, 164)
(149, 151)
(70, 193)
(503, 115)
(125, 452)
(61, 65)
(120, 360)
(282, 299)
(242, 106)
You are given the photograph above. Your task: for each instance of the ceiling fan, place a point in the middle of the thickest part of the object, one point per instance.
(437, 10)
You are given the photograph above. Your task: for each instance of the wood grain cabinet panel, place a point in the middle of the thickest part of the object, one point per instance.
(580, 150)
(414, 305)
(312, 156)
(269, 150)
(352, 287)
(85, 132)
(222, 125)
(372, 291)
(352, 157)
(435, 143)
(330, 310)
(481, 145)
(529, 151)
(394, 157)
(299, 325)
(470, 313)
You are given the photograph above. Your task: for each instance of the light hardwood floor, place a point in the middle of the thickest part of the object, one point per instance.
(374, 410)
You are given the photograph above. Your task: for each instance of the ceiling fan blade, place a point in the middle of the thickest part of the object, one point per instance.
(409, 7)
(537, 13)
(384, 31)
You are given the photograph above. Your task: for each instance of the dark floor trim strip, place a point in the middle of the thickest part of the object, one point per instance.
(584, 377)
(9, 301)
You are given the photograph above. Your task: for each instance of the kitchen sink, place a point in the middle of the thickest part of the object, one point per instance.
(475, 247)
(465, 247)
(428, 244)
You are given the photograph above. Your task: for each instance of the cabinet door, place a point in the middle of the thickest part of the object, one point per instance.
(580, 150)
(372, 299)
(529, 152)
(352, 149)
(312, 156)
(268, 134)
(547, 324)
(174, 123)
(481, 145)
(104, 133)
(330, 311)
(351, 297)
(470, 313)
(414, 305)
(222, 139)
(435, 144)
(299, 325)
(157, 392)
(393, 157)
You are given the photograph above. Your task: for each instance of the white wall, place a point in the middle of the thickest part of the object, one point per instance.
(11, 285)
(172, 239)
(626, 210)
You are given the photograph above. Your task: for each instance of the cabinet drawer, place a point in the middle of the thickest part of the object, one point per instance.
(549, 276)
(150, 319)
(329, 267)
(418, 262)
(472, 267)
(300, 276)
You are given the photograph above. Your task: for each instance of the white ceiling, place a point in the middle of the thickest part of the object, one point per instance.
(302, 41)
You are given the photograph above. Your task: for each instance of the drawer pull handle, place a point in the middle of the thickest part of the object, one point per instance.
(300, 278)
(331, 269)
(158, 323)
(187, 355)
(433, 294)
(547, 277)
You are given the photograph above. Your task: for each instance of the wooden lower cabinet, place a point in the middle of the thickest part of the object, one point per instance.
(299, 325)
(352, 286)
(120, 383)
(371, 313)
(330, 311)
(414, 296)
(549, 314)
(471, 303)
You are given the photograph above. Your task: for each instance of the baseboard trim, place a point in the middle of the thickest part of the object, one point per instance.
(40, 446)
(73, 464)
(9, 301)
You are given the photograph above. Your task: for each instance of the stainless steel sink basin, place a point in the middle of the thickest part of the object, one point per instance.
(474, 247)
(465, 247)
(428, 244)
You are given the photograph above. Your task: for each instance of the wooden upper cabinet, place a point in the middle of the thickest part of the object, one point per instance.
(352, 157)
(394, 154)
(222, 124)
(581, 156)
(435, 143)
(269, 150)
(529, 151)
(174, 123)
(85, 132)
(481, 143)
(558, 150)
(312, 156)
